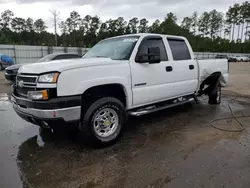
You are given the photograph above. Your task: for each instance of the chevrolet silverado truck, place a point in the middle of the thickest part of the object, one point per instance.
(126, 75)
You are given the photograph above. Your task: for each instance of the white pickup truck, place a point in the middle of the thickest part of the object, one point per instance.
(132, 74)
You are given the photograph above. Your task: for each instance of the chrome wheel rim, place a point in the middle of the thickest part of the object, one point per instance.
(106, 122)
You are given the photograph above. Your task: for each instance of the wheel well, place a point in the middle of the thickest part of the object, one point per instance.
(108, 90)
(210, 81)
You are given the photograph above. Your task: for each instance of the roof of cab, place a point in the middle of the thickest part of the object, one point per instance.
(149, 34)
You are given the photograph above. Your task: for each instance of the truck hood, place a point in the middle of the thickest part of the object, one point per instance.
(14, 67)
(62, 65)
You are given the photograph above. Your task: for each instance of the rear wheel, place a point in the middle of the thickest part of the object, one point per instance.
(1, 67)
(103, 122)
(215, 95)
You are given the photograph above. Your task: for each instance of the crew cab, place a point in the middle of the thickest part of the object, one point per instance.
(125, 75)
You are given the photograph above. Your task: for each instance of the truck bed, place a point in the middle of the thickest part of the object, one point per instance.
(210, 66)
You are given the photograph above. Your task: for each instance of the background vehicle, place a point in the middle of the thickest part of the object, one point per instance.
(133, 74)
(229, 58)
(242, 58)
(5, 61)
(11, 72)
(247, 58)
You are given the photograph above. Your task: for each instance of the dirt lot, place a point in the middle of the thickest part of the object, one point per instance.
(178, 147)
(239, 78)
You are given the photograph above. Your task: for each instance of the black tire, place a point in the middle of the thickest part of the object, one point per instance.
(1, 67)
(87, 126)
(215, 95)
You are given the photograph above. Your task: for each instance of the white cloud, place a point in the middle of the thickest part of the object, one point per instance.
(106, 9)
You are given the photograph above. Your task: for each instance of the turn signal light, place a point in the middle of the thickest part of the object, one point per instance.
(45, 95)
(38, 95)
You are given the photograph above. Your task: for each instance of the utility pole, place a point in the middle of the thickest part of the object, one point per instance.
(55, 15)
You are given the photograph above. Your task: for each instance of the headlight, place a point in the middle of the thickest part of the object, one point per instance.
(48, 78)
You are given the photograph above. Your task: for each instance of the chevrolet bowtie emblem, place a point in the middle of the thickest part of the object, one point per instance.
(20, 83)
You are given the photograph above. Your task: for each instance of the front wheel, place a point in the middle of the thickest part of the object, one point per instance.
(215, 95)
(46, 134)
(103, 122)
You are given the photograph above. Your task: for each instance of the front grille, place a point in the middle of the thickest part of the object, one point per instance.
(25, 83)
(23, 91)
(27, 79)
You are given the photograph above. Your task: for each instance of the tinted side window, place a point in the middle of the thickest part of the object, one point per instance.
(67, 56)
(153, 42)
(58, 57)
(179, 49)
(71, 56)
(75, 56)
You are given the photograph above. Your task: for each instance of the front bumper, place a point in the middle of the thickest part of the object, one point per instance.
(54, 111)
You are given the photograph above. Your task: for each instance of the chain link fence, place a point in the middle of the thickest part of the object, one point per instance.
(30, 54)
(212, 55)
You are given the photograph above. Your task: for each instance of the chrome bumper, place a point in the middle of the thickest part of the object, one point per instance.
(67, 114)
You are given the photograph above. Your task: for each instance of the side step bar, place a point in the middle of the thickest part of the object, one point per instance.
(154, 108)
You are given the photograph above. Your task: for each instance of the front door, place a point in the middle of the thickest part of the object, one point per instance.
(151, 82)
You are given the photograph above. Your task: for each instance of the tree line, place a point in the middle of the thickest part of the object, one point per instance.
(210, 31)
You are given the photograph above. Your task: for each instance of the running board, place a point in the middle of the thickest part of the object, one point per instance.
(154, 108)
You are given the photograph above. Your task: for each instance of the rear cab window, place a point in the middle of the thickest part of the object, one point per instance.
(179, 49)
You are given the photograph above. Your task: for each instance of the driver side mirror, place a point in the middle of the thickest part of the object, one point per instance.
(153, 56)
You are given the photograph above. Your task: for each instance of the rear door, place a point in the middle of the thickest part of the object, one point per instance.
(185, 67)
(151, 82)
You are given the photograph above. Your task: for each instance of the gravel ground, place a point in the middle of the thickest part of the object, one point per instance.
(239, 78)
(4, 85)
(175, 148)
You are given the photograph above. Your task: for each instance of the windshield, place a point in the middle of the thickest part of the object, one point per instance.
(116, 48)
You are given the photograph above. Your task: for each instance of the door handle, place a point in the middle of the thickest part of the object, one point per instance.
(169, 69)
(191, 67)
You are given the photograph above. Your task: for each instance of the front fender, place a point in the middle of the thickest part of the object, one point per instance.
(76, 82)
(85, 85)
